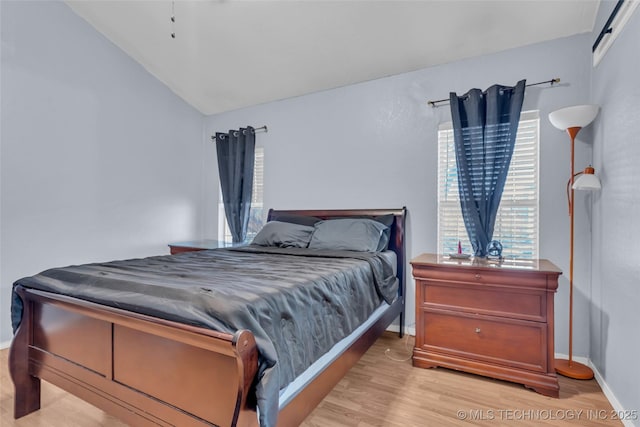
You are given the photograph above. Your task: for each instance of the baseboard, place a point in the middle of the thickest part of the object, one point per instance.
(617, 406)
(5, 344)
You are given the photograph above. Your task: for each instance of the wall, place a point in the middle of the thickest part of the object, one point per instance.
(374, 145)
(99, 160)
(615, 295)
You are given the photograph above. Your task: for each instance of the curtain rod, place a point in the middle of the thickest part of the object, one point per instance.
(551, 82)
(607, 26)
(264, 128)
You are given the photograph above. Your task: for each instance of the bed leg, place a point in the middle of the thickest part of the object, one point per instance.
(27, 387)
(401, 328)
(27, 398)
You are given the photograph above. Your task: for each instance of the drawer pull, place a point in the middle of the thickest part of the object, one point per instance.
(477, 330)
(478, 277)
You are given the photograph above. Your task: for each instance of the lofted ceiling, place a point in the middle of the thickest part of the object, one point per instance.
(229, 54)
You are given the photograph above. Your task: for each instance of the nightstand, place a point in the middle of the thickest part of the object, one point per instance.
(488, 318)
(198, 245)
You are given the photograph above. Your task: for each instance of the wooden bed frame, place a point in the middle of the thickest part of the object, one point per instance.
(117, 359)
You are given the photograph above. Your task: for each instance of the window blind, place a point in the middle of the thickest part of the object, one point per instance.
(516, 224)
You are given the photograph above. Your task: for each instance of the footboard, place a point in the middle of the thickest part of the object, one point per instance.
(143, 370)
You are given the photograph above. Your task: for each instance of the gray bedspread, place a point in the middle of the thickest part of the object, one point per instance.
(297, 302)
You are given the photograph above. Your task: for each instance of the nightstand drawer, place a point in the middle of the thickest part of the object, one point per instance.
(482, 276)
(519, 344)
(493, 300)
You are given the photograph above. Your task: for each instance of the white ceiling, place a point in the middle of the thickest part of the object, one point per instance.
(229, 54)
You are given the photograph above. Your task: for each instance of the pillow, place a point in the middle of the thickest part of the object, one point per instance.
(351, 234)
(284, 235)
(387, 220)
(296, 219)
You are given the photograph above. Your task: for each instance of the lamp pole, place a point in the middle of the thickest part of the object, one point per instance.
(569, 368)
(572, 119)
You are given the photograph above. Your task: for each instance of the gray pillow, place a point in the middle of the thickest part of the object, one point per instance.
(387, 220)
(284, 235)
(351, 234)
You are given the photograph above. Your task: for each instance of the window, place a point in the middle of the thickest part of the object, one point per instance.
(257, 216)
(517, 219)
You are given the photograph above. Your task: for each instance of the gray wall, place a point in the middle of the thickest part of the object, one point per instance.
(615, 296)
(375, 144)
(99, 160)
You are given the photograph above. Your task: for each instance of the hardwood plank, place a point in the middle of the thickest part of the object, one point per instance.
(379, 392)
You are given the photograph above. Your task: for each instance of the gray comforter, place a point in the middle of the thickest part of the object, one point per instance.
(297, 302)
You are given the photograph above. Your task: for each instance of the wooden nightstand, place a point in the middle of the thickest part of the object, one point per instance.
(492, 319)
(198, 245)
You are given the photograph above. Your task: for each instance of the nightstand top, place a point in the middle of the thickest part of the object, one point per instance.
(202, 244)
(439, 260)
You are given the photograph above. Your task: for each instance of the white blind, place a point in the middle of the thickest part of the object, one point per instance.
(257, 215)
(517, 219)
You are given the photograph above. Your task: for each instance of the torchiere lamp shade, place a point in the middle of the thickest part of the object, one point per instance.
(577, 116)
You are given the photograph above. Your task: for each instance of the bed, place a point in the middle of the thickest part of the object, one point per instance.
(116, 358)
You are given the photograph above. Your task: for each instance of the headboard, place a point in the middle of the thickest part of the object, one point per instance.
(396, 239)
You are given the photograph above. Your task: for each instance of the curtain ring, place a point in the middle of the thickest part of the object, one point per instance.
(235, 133)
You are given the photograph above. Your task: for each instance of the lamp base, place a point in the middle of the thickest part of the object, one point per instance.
(573, 369)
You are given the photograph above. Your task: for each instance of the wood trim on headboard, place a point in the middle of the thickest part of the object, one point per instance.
(396, 240)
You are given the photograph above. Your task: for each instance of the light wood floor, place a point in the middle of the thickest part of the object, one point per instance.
(382, 392)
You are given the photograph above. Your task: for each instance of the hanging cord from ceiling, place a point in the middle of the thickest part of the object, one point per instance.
(173, 19)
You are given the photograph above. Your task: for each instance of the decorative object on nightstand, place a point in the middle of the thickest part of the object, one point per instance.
(460, 254)
(572, 119)
(491, 319)
(494, 250)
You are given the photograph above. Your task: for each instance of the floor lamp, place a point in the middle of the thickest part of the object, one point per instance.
(572, 119)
